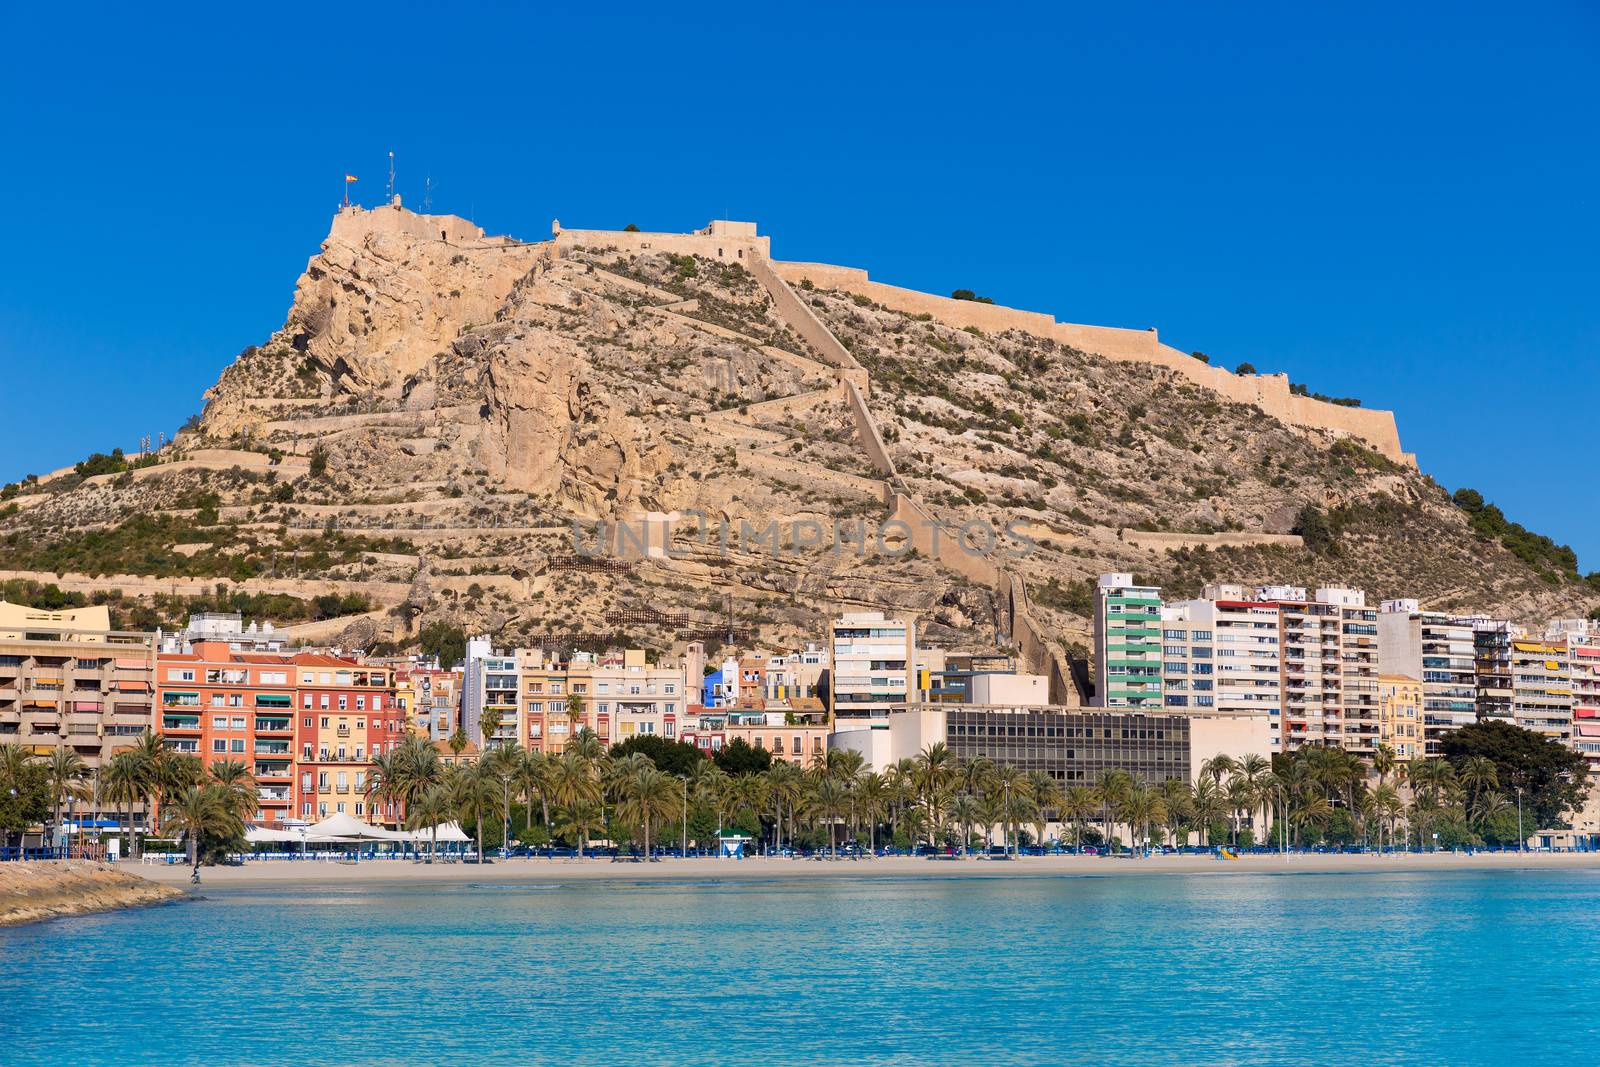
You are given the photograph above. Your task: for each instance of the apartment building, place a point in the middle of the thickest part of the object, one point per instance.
(67, 680)
(873, 658)
(1223, 654)
(305, 723)
(347, 716)
(1329, 645)
(1491, 662)
(1541, 685)
(1440, 651)
(1583, 648)
(795, 674)
(227, 627)
(617, 695)
(1127, 644)
(1400, 723)
(489, 690)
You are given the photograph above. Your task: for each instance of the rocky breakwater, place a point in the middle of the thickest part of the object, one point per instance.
(30, 892)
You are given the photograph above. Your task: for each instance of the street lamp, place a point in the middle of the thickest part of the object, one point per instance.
(684, 781)
(1522, 842)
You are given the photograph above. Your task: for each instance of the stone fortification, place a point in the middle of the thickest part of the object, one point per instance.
(1269, 392)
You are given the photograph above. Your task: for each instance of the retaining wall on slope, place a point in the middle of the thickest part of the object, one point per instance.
(804, 321)
(1162, 539)
(1270, 392)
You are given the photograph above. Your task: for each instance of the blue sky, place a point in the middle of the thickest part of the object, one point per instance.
(1399, 205)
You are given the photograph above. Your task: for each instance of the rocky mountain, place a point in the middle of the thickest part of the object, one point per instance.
(445, 417)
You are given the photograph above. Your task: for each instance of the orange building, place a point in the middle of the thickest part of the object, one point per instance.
(304, 723)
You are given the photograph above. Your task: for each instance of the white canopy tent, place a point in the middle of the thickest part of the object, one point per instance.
(449, 832)
(342, 827)
(260, 835)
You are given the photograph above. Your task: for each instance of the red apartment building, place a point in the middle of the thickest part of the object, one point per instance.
(306, 724)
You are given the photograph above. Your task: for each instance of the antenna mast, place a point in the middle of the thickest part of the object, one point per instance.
(391, 174)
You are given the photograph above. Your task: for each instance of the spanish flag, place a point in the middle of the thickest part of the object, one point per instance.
(349, 177)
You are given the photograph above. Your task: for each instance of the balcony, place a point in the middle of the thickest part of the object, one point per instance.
(273, 796)
(272, 748)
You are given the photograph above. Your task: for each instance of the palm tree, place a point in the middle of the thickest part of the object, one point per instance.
(1479, 775)
(202, 814)
(1253, 770)
(1009, 784)
(1207, 804)
(1386, 806)
(648, 794)
(122, 786)
(576, 819)
(1111, 787)
(66, 774)
(426, 810)
(786, 787)
(1046, 794)
(829, 802)
(476, 791)
(1178, 799)
(933, 770)
(459, 741)
(488, 726)
(872, 800)
(965, 810)
(505, 762)
(236, 778)
(533, 779)
(1383, 761)
(575, 713)
(385, 772)
(1142, 807)
(1078, 804)
(574, 786)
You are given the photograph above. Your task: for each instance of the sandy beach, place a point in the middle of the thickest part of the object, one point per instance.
(299, 872)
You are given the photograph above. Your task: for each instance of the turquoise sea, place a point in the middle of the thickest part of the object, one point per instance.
(1457, 968)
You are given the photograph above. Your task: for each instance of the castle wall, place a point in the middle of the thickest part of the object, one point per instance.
(1269, 392)
(353, 223)
(738, 246)
(802, 319)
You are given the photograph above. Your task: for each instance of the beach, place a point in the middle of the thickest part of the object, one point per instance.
(370, 872)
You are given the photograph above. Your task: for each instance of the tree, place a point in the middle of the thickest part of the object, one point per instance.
(319, 462)
(67, 774)
(426, 810)
(477, 794)
(670, 757)
(630, 228)
(206, 818)
(828, 803)
(740, 757)
(488, 725)
(1553, 778)
(444, 642)
(1316, 529)
(239, 784)
(1245, 368)
(121, 784)
(24, 790)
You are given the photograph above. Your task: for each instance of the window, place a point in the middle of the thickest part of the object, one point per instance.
(219, 723)
(180, 674)
(305, 702)
(325, 722)
(324, 706)
(238, 744)
(344, 703)
(322, 781)
(238, 723)
(306, 722)
(219, 745)
(361, 724)
(274, 677)
(361, 704)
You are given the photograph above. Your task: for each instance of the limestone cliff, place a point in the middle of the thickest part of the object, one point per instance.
(439, 407)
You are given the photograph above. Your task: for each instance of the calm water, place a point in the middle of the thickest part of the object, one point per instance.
(1406, 968)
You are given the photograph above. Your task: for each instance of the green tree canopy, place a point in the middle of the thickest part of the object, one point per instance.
(670, 757)
(1553, 778)
(740, 757)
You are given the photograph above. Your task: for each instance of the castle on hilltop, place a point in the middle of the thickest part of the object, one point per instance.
(739, 242)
